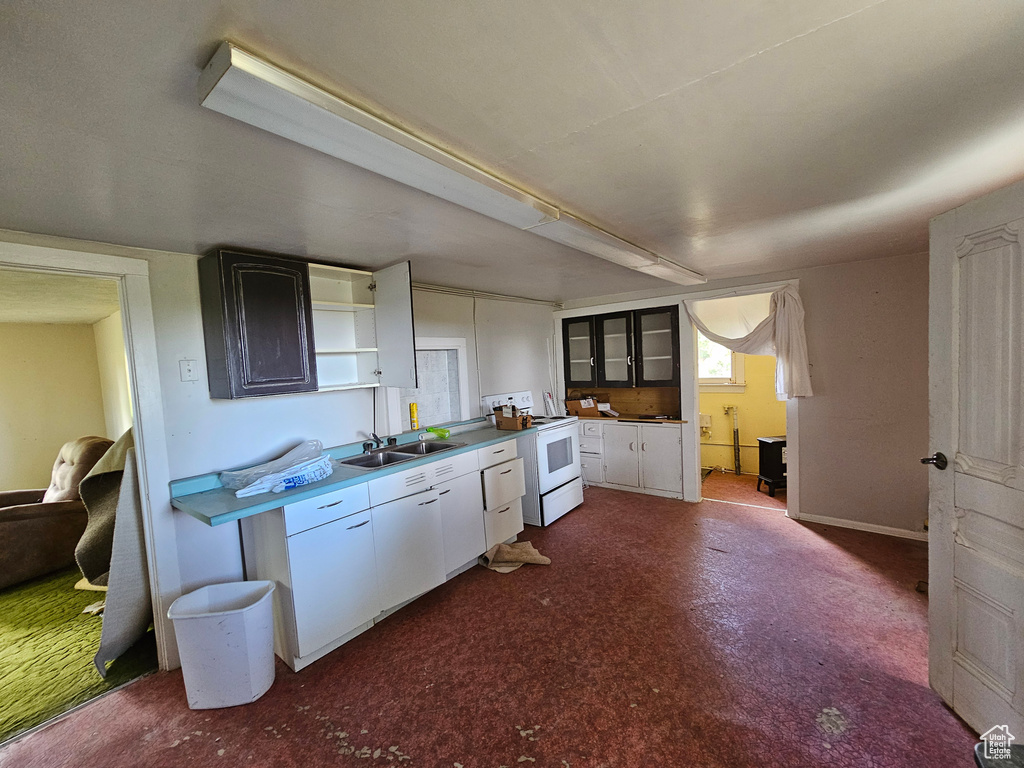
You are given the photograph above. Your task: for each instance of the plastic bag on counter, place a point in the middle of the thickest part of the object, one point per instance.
(305, 463)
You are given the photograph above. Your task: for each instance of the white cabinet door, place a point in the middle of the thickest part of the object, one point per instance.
(410, 547)
(592, 467)
(333, 580)
(661, 457)
(392, 310)
(622, 454)
(462, 520)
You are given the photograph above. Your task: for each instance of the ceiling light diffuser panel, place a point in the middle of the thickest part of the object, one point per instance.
(243, 86)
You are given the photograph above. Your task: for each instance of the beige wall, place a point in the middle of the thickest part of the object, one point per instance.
(117, 402)
(760, 415)
(49, 394)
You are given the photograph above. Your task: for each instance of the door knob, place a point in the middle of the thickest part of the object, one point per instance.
(939, 460)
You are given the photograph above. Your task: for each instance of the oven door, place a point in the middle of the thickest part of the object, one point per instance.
(558, 456)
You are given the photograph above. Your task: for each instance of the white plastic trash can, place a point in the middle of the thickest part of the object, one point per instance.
(226, 641)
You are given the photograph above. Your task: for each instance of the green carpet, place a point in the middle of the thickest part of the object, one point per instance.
(46, 650)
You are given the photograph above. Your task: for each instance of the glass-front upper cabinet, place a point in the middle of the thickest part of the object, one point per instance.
(615, 350)
(579, 351)
(656, 339)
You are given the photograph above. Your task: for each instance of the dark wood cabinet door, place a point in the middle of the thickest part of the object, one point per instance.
(258, 324)
(580, 352)
(614, 349)
(656, 340)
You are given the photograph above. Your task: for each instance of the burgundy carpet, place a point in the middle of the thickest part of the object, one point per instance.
(663, 634)
(742, 489)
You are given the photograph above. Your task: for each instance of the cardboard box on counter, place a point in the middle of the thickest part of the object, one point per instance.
(582, 408)
(518, 422)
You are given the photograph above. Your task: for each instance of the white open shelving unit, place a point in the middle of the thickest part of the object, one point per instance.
(344, 327)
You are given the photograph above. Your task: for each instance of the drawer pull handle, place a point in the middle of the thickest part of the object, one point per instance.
(426, 502)
(353, 527)
(442, 493)
(506, 471)
(325, 506)
(506, 509)
(497, 452)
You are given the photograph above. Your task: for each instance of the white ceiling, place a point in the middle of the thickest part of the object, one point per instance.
(38, 297)
(734, 138)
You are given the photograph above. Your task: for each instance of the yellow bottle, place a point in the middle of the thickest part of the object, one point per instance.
(414, 419)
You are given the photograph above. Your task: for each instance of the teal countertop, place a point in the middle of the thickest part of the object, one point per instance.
(205, 499)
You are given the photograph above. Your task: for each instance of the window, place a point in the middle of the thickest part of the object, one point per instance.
(718, 366)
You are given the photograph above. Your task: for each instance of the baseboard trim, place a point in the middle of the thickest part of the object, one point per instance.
(885, 530)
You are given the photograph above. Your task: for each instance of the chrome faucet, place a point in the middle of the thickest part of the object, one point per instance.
(376, 439)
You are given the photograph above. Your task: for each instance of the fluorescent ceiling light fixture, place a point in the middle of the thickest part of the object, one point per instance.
(570, 231)
(247, 88)
(672, 272)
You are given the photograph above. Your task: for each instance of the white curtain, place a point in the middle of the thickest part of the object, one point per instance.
(736, 323)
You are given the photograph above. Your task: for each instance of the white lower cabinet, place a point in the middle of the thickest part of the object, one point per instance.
(621, 455)
(345, 557)
(647, 457)
(333, 580)
(462, 520)
(661, 461)
(409, 545)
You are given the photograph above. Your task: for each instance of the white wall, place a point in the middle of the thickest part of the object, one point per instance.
(49, 394)
(865, 429)
(863, 433)
(117, 401)
(205, 435)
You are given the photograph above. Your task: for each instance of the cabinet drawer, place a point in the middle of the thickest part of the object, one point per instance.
(592, 467)
(309, 513)
(385, 489)
(503, 523)
(503, 483)
(495, 454)
(590, 445)
(449, 468)
(590, 429)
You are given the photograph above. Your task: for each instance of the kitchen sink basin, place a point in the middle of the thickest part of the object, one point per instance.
(377, 460)
(425, 447)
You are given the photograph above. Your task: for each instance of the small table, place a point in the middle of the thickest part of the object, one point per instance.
(772, 463)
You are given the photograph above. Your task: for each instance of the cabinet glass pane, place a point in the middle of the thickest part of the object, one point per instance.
(580, 351)
(616, 349)
(656, 339)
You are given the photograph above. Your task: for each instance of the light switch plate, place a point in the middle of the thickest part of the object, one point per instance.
(189, 370)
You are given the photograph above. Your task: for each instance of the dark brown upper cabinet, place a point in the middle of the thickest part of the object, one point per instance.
(622, 349)
(656, 343)
(579, 348)
(615, 349)
(258, 324)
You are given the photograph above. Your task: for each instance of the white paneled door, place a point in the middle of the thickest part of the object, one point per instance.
(976, 508)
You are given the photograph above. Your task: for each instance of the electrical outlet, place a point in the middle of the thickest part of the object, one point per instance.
(189, 370)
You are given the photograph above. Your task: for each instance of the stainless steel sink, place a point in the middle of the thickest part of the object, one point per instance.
(377, 460)
(425, 447)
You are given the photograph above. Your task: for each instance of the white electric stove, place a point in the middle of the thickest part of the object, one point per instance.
(551, 458)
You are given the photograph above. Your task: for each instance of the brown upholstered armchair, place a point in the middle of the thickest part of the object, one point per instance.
(39, 529)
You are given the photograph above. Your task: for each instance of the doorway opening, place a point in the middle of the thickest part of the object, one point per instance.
(742, 428)
(65, 399)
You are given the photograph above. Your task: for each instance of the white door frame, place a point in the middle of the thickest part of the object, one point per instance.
(689, 392)
(132, 276)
